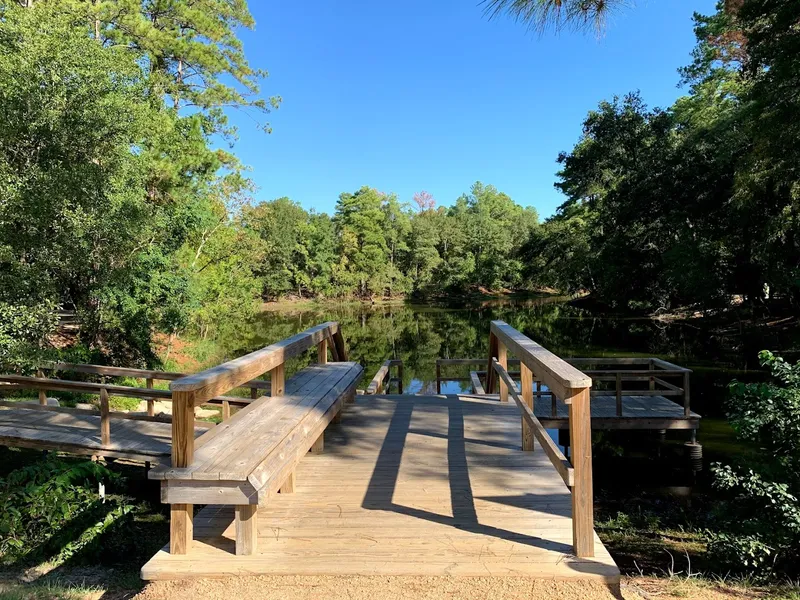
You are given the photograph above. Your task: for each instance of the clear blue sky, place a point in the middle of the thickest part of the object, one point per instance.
(431, 94)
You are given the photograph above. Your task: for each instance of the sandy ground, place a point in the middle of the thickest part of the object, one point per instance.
(431, 588)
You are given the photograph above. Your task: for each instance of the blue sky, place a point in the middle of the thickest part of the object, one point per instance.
(431, 94)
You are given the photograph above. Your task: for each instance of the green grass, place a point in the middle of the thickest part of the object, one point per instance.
(47, 591)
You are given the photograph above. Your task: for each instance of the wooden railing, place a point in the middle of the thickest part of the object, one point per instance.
(653, 371)
(193, 390)
(379, 382)
(105, 391)
(571, 386)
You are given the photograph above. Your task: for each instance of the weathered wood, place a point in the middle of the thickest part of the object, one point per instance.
(687, 411)
(553, 452)
(526, 384)
(218, 380)
(181, 531)
(580, 435)
(42, 394)
(105, 422)
(181, 528)
(277, 379)
(319, 445)
(338, 342)
(387, 500)
(502, 358)
(438, 378)
(477, 386)
(556, 374)
(619, 395)
(246, 529)
(226, 410)
(668, 366)
(376, 385)
(322, 352)
(288, 484)
(203, 492)
(493, 352)
(151, 403)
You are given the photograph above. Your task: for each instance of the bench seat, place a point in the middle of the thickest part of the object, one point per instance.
(246, 458)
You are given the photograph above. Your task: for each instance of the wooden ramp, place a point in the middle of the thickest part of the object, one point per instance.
(79, 433)
(407, 485)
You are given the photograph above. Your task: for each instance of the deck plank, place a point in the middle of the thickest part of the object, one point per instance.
(407, 485)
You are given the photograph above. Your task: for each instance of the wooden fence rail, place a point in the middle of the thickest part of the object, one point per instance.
(571, 386)
(378, 383)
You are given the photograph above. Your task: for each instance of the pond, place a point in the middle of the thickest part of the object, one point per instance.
(419, 334)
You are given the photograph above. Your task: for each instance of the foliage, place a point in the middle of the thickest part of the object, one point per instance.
(762, 520)
(696, 204)
(38, 501)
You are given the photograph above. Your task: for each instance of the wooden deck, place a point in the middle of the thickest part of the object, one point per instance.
(407, 485)
(79, 433)
(638, 412)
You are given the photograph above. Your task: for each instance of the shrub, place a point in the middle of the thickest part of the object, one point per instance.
(760, 520)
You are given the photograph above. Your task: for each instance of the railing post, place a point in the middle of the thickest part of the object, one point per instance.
(686, 406)
(652, 367)
(277, 380)
(322, 352)
(400, 377)
(181, 528)
(490, 377)
(580, 433)
(105, 424)
(619, 394)
(151, 403)
(42, 393)
(526, 381)
(502, 358)
(438, 378)
(338, 343)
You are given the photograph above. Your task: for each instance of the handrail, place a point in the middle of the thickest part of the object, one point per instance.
(222, 378)
(552, 450)
(377, 383)
(567, 384)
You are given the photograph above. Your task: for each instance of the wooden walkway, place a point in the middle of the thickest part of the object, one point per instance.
(407, 485)
(79, 433)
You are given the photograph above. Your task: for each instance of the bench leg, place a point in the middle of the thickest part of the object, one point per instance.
(337, 418)
(246, 529)
(181, 528)
(288, 485)
(319, 445)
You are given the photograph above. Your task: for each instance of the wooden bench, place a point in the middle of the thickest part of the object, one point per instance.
(245, 459)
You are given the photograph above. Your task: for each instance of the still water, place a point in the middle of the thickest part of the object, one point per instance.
(419, 334)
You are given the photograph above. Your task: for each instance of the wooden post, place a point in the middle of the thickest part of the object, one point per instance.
(580, 434)
(652, 366)
(105, 420)
(490, 377)
(619, 394)
(686, 406)
(502, 358)
(438, 378)
(319, 445)
(526, 381)
(338, 342)
(277, 380)
(253, 393)
(400, 377)
(42, 393)
(322, 352)
(226, 410)
(151, 402)
(181, 528)
(288, 485)
(246, 529)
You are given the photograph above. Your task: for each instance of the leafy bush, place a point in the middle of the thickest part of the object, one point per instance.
(23, 330)
(761, 519)
(44, 505)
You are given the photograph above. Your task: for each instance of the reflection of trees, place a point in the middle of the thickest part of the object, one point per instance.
(420, 334)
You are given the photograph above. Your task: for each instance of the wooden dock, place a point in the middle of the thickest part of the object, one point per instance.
(79, 433)
(407, 485)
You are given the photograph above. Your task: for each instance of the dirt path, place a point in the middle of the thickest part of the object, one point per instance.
(433, 588)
